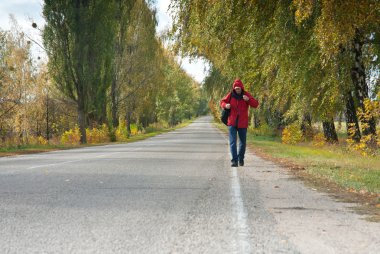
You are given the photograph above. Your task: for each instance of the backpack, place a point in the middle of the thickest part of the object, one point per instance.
(225, 113)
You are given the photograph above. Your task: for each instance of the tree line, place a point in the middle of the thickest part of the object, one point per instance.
(307, 61)
(106, 65)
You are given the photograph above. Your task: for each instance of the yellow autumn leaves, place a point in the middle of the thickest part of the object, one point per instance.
(369, 143)
(338, 21)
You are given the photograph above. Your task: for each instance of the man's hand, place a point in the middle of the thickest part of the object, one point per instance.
(245, 97)
(228, 106)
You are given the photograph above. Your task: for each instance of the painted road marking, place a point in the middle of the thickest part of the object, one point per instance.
(240, 214)
(239, 211)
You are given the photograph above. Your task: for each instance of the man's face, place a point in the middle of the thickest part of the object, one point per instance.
(238, 90)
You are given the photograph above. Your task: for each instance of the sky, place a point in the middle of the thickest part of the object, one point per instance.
(25, 12)
(28, 11)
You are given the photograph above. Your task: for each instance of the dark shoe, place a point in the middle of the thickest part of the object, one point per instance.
(241, 163)
(234, 164)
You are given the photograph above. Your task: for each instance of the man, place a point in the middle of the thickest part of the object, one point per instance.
(238, 101)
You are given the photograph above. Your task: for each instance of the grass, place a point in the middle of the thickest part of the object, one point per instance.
(143, 136)
(26, 149)
(331, 162)
(14, 149)
(347, 169)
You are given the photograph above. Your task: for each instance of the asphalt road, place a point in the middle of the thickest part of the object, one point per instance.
(173, 193)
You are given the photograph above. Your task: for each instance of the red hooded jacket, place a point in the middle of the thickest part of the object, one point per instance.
(239, 108)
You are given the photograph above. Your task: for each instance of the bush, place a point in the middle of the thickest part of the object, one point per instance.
(292, 134)
(121, 132)
(154, 127)
(263, 130)
(319, 140)
(135, 129)
(37, 140)
(96, 136)
(42, 141)
(369, 144)
(71, 137)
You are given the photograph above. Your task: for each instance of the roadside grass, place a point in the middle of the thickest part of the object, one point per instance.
(143, 136)
(26, 149)
(334, 163)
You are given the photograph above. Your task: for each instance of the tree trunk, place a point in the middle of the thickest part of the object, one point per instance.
(118, 55)
(80, 81)
(359, 80)
(145, 122)
(47, 117)
(351, 117)
(2, 133)
(306, 127)
(38, 132)
(329, 131)
(256, 120)
(115, 119)
(103, 118)
(128, 118)
(82, 120)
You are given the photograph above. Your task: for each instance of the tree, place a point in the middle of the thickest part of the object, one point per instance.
(122, 20)
(300, 53)
(350, 27)
(16, 82)
(78, 37)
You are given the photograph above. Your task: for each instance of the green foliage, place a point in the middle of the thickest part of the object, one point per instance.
(155, 127)
(135, 129)
(121, 133)
(263, 130)
(105, 62)
(78, 37)
(181, 98)
(105, 56)
(298, 57)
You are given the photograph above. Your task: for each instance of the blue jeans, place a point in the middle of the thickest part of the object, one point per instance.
(233, 142)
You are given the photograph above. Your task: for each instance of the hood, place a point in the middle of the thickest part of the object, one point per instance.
(238, 83)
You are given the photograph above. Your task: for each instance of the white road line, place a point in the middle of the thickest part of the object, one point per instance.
(240, 214)
(53, 164)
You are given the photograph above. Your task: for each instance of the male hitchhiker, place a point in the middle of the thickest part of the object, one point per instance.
(238, 101)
